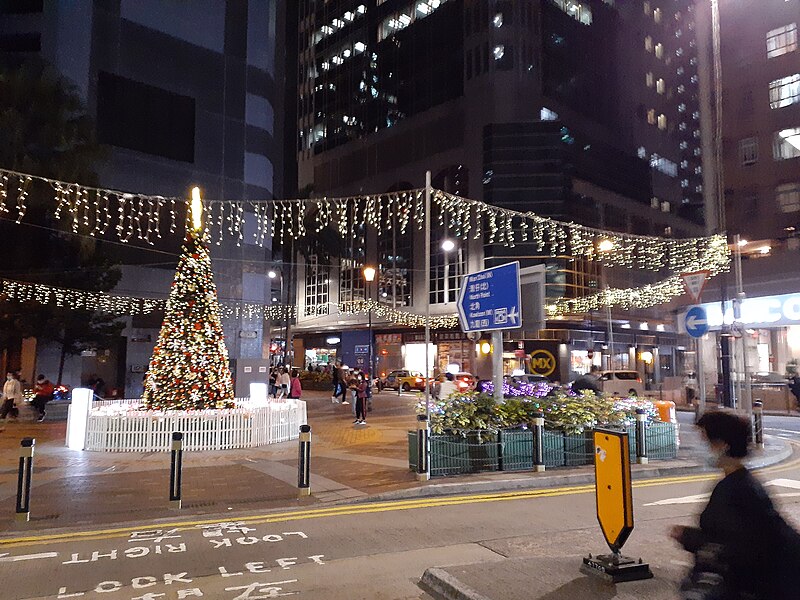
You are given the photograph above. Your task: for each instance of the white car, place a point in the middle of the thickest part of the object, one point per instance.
(622, 383)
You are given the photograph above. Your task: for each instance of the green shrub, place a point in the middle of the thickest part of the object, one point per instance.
(462, 412)
(312, 380)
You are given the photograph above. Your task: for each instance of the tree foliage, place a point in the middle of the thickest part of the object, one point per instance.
(45, 130)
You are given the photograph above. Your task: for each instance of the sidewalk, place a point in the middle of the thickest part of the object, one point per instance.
(347, 463)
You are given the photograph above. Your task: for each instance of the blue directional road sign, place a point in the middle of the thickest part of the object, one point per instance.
(490, 299)
(696, 321)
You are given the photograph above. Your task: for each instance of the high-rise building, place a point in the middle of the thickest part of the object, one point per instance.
(761, 118)
(583, 111)
(182, 94)
(759, 85)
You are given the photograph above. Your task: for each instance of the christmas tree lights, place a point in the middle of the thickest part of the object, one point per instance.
(189, 367)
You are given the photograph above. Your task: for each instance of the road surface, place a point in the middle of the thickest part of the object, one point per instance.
(362, 550)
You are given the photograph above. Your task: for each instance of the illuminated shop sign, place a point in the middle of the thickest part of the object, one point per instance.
(761, 312)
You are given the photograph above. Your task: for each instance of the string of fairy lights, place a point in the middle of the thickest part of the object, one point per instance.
(120, 305)
(101, 212)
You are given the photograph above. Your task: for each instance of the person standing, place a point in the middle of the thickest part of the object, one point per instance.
(295, 387)
(794, 386)
(744, 549)
(283, 382)
(12, 393)
(338, 382)
(42, 394)
(448, 386)
(360, 389)
(588, 382)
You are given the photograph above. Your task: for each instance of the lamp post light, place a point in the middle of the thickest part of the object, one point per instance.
(273, 274)
(447, 246)
(369, 277)
(603, 247)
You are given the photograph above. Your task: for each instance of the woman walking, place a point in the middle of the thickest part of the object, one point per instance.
(744, 549)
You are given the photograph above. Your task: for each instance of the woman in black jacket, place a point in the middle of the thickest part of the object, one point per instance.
(744, 549)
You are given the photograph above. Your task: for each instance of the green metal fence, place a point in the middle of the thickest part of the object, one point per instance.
(512, 449)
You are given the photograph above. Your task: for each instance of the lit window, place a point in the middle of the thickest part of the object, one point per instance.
(576, 10)
(651, 116)
(660, 86)
(402, 19)
(498, 51)
(497, 21)
(649, 79)
(662, 121)
(784, 91)
(648, 43)
(788, 197)
(782, 40)
(657, 15)
(684, 183)
(698, 170)
(647, 8)
(545, 114)
(659, 50)
(786, 144)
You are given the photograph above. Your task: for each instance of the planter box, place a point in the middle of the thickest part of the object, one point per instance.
(512, 449)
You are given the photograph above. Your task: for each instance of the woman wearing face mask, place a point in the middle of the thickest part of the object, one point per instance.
(744, 550)
(12, 393)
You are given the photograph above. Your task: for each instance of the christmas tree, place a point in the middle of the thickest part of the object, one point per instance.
(189, 368)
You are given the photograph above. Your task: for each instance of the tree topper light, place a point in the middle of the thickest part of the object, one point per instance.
(197, 210)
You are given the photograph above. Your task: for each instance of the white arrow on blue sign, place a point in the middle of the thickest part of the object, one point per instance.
(490, 299)
(696, 321)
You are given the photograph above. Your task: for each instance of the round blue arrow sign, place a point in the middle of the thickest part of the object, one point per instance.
(696, 321)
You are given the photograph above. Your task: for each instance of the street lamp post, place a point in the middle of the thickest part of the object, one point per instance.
(369, 277)
(273, 274)
(447, 246)
(607, 246)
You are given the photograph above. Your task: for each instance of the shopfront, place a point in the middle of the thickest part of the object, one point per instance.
(769, 327)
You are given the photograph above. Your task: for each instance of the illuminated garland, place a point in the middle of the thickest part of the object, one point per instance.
(98, 212)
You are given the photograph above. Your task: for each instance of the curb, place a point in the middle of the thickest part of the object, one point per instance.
(441, 583)
(555, 479)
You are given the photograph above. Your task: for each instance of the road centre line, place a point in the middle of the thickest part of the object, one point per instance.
(366, 507)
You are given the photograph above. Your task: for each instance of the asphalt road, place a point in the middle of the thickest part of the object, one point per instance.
(368, 550)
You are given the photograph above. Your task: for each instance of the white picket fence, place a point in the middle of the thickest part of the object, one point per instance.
(117, 426)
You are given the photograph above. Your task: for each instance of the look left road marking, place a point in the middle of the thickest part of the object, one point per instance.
(6, 558)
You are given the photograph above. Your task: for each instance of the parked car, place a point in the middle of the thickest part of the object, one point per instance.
(405, 380)
(621, 383)
(465, 381)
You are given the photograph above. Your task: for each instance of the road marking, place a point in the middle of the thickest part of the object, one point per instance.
(6, 558)
(789, 483)
(370, 507)
(697, 498)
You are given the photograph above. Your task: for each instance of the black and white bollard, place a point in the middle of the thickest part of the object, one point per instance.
(26, 447)
(641, 436)
(538, 442)
(304, 462)
(758, 423)
(175, 469)
(423, 448)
